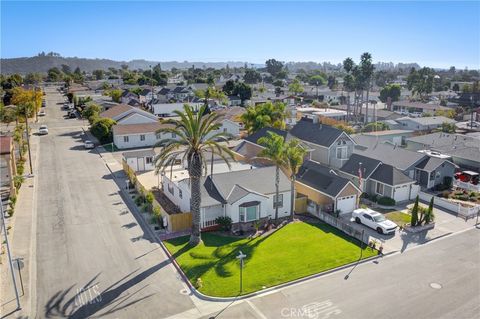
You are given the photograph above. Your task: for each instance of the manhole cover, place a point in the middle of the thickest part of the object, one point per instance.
(435, 285)
(184, 292)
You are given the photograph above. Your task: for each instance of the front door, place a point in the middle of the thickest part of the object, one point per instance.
(141, 163)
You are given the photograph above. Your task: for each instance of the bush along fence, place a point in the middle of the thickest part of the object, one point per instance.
(148, 203)
(465, 211)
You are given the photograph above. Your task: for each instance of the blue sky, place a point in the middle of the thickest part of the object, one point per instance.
(437, 34)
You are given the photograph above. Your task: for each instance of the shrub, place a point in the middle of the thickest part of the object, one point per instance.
(139, 200)
(445, 194)
(224, 222)
(10, 212)
(414, 213)
(17, 181)
(157, 213)
(447, 180)
(441, 187)
(386, 201)
(102, 129)
(149, 197)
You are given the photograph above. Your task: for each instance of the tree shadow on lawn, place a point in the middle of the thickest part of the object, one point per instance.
(226, 251)
(326, 228)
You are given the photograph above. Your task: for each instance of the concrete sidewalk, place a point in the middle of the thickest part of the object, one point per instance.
(22, 245)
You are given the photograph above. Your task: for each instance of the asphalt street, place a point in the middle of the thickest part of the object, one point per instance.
(93, 260)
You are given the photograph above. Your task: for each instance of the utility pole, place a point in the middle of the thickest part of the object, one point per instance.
(9, 256)
(241, 256)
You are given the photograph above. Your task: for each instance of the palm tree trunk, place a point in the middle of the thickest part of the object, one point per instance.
(195, 172)
(277, 185)
(292, 197)
(366, 107)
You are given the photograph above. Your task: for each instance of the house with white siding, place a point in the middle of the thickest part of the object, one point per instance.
(126, 114)
(139, 135)
(246, 196)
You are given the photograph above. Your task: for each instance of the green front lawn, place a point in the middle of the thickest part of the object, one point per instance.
(398, 217)
(295, 251)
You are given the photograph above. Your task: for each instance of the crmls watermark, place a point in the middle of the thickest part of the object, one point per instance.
(315, 310)
(88, 295)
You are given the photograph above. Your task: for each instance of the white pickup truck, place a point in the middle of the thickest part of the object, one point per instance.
(374, 220)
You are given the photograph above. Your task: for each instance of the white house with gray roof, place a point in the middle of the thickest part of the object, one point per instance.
(246, 196)
(423, 123)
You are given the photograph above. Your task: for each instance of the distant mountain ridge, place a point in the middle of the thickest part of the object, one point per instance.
(44, 63)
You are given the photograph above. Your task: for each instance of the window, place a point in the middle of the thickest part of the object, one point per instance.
(379, 188)
(248, 211)
(149, 160)
(158, 135)
(180, 193)
(142, 137)
(224, 130)
(125, 139)
(174, 135)
(278, 202)
(170, 189)
(342, 152)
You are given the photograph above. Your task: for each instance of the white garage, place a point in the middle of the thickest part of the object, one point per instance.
(401, 193)
(347, 204)
(140, 160)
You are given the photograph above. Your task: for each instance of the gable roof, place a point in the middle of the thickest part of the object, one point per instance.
(145, 92)
(429, 120)
(316, 133)
(321, 178)
(229, 187)
(126, 129)
(353, 164)
(116, 110)
(386, 152)
(264, 132)
(390, 175)
(164, 91)
(430, 163)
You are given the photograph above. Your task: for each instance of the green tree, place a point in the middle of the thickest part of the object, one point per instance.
(228, 87)
(7, 114)
(366, 69)
(317, 80)
(115, 94)
(102, 129)
(296, 87)
(54, 74)
(99, 74)
(375, 127)
(274, 67)
(243, 91)
(448, 127)
(91, 112)
(195, 137)
(252, 76)
(391, 91)
(33, 78)
(294, 154)
(264, 115)
(414, 213)
(421, 82)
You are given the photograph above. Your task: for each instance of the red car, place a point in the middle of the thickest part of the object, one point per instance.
(468, 177)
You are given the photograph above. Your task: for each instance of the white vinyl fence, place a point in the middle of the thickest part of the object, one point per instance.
(462, 211)
(467, 186)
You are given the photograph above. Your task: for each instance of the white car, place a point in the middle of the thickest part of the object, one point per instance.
(374, 220)
(42, 113)
(43, 130)
(88, 144)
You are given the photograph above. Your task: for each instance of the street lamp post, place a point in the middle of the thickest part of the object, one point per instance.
(9, 256)
(241, 256)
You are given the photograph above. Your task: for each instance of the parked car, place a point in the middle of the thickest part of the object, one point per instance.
(43, 130)
(42, 113)
(374, 220)
(44, 103)
(468, 177)
(88, 144)
(72, 114)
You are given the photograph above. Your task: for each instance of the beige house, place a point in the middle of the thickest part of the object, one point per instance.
(8, 166)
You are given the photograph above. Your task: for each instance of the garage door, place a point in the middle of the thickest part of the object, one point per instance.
(401, 193)
(347, 204)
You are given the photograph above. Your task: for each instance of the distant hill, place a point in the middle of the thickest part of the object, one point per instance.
(44, 63)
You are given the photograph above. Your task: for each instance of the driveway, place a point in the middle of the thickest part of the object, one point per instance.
(445, 223)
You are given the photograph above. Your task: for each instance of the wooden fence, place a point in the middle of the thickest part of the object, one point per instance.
(175, 222)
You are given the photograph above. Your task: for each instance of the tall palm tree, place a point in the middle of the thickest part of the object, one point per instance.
(274, 150)
(195, 136)
(288, 155)
(294, 154)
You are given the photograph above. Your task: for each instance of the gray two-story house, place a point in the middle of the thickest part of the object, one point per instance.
(329, 146)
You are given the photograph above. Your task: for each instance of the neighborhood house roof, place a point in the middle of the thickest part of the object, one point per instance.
(429, 164)
(429, 120)
(352, 166)
(116, 111)
(229, 187)
(140, 153)
(316, 133)
(321, 178)
(390, 175)
(451, 144)
(126, 129)
(264, 132)
(386, 152)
